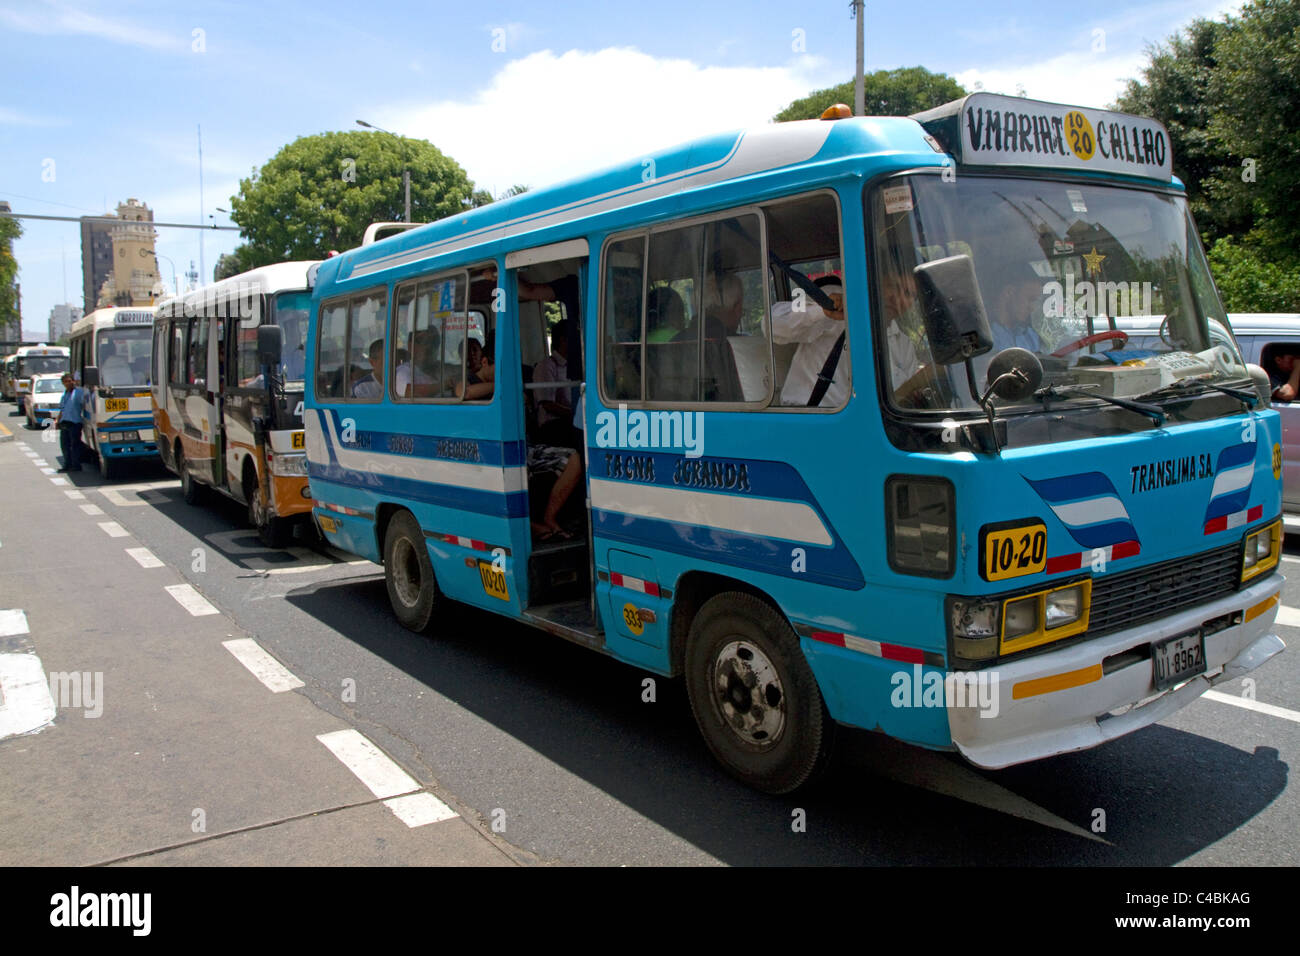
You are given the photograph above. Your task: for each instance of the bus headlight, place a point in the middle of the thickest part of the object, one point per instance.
(1034, 619)
(974, 624)
(1262, 550)
(123, 436)
(289, 466)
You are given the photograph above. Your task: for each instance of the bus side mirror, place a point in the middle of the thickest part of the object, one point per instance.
(1263, 384)
(270, 342)
(90, 377)
(955, 321)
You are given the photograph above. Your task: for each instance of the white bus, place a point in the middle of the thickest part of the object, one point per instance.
(36, 360)
(222, 421)
(110, 355)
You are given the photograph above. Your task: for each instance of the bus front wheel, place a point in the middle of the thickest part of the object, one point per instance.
(408, 573)
(754, 696)
(271, 531)
(189, 487)
(107, 467)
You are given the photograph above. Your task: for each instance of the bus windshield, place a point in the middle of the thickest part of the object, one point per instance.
(290, 315)
(1061, 267)
(123, 357)
(40, 364)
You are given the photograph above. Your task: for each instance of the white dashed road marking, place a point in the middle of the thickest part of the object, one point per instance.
(191, 600)
(13, 622)
(92, 509)
(113, 529)
(262, 665)
(49, 471)
(27, 705)
(386, 779)
(75, 495)
(59, 481)
(1288, 616)
(1254, 705)
(144, 557)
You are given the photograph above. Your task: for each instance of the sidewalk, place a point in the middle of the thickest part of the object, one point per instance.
(164, 748)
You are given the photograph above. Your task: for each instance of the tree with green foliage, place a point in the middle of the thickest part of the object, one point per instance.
(900, 92)
(319, 193)
(10, 314)
(1229, 93)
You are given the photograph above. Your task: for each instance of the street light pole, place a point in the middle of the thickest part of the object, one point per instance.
(176, 285)
(406, 172)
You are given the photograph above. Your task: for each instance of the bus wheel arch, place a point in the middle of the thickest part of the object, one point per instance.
(408, 572)
(754, 696)
(692, 590)
(271, 531)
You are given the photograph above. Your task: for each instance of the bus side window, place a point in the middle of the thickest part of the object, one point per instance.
(365, 351)
(621, 333)
(177, 357)
(331, 352)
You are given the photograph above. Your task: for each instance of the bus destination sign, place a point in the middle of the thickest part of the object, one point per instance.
(133, 318)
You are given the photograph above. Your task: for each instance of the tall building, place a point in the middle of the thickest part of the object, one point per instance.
(118, 264)
(96, 260)
(62, 318)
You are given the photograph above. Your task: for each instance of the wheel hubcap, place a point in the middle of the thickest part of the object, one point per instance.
(406, 573)
(748, 694)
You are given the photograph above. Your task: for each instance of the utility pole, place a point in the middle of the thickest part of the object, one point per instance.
(859, 92)
(406, 172)
(202, 265)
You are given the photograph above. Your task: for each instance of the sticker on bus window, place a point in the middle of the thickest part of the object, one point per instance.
(494, 581)
(1013, 549)
(897, 198)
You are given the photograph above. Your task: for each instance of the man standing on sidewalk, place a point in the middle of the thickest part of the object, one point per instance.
(69, 421)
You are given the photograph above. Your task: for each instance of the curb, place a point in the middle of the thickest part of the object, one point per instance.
(5, 434)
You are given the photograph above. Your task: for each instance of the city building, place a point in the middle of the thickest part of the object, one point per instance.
(61, 319)
(118, 263)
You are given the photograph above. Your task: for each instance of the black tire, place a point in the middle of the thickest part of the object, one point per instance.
(271, 531)
(754, 696)
(408, 572)
(107, 467)
(189, 487)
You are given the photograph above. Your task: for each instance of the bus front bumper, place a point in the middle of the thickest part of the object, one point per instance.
(1097, 690)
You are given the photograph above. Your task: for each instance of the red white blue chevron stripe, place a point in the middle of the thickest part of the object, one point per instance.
(1089, 507)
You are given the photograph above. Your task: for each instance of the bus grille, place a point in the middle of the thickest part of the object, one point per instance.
(1123, 600)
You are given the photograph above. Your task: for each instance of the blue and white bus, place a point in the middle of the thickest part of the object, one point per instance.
(859, 439)
(116, 343)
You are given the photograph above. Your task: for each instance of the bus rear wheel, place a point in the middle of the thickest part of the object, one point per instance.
(189, 487)
(754, 696)
(408, 572)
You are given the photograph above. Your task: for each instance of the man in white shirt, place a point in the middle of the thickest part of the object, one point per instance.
(553, 403)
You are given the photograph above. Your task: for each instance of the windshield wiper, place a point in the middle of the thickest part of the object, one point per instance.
(1184, 386)
(1153, 412)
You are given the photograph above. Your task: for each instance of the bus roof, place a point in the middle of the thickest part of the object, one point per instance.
(264, 280)
(113, 317)
(564, 210)
(864, 146)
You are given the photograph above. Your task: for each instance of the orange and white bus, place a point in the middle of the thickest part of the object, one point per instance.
(225, 420)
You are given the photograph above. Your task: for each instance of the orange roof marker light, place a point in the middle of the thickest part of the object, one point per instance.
(838, 111)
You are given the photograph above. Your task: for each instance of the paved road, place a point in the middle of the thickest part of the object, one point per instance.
(547, 752)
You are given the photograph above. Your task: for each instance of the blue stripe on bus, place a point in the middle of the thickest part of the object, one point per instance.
(834, 567)
(511, 505)
(745, 478)
(497, 454)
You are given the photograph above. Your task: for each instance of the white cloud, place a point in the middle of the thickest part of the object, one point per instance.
(1058, 80)
(536, 121)
(52, 18)
(10, 117)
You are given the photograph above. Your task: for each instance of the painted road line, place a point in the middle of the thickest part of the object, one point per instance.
(1288, 616)
(27, 705)
(138, 486)
(92, 509)
(13, 622)
(75, 495)
(58, 481)
(371, 765)
(419, 809)
(262, 665)
(190, 599)
(1254, 705)
(113, 529)
(314, 567)
(144, 557)
(49, 471)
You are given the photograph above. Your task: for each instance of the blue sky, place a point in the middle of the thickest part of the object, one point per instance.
(101, 101)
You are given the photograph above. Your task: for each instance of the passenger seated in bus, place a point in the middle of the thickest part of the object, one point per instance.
(565, 465)
(816, 330)
(665, 314)
(480, 373)
(1283, 367)
(372, 384)
(113, 369)
(426, 367)
(724, 302)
